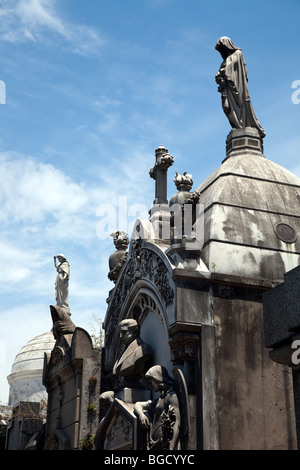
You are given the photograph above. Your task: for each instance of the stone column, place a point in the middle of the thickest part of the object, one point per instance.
(159, 173)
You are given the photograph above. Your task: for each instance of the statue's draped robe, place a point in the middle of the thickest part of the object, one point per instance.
(62, 285)
(235, 94)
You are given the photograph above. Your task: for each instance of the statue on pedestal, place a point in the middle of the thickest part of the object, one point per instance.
(62, 282)
(233, 85)
(132, 361)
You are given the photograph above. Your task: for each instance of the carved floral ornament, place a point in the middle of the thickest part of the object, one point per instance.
(183, 348)
(57, 355)
(142, 264)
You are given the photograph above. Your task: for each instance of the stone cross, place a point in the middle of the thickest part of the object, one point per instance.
(160, 213)
(159, 173)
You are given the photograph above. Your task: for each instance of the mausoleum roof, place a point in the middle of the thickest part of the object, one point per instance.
(244, 201)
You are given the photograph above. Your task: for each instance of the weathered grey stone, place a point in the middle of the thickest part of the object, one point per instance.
(275, 319)
(72, 378)
(163, 413)
(244, 199)
(118, 258)
(284, 324)
(233, 85)
(132, 359)
(25, 422)
(245, 141)
(282, 310)
(292, 290)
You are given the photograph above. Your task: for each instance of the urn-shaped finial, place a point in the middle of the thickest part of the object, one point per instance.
(183, 184)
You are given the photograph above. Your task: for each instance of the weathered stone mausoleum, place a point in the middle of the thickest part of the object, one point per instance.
(185, 363)
(196, 295)
(201, 310)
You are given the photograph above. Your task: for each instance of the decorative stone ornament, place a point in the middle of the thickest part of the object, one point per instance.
(159, 173)
(183, 216)
(118, 258)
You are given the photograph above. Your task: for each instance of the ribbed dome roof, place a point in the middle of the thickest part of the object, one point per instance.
(31, 356)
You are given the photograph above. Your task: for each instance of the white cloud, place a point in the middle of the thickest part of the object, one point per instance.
(31, 20)
(16, 263)
(30, 191)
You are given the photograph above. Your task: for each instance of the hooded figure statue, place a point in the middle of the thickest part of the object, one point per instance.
(161, 417)
(233, 85)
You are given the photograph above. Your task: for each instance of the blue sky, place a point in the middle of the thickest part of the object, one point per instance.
(92, 88)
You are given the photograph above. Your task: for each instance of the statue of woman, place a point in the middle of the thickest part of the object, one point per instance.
(233, 85)
(162, 416)
(62, 282)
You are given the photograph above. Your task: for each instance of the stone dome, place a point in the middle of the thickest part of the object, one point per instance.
(25, 379)
(251, 219)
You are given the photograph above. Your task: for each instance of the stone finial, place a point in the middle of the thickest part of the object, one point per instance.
(121, 240)
(183, 182)
(163, 161)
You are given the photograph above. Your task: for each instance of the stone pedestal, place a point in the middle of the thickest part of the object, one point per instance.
(72, 379)
(244, 141)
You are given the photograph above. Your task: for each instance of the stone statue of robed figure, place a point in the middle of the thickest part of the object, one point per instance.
(233, 86)
(62, 282)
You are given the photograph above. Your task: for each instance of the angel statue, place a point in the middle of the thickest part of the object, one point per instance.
(62, 282)
(162, 417)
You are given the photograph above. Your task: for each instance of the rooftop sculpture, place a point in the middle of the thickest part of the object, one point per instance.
(62, 282)
(132, 360)
(233, 86)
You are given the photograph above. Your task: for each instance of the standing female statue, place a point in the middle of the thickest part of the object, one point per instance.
(233, 85)
(62, 282)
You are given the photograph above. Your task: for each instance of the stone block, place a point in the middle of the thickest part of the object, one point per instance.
(292, 297)
(275, 317)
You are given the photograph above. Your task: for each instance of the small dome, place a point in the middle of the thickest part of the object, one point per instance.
(26, 375)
